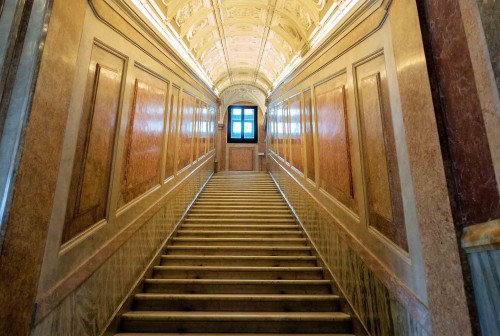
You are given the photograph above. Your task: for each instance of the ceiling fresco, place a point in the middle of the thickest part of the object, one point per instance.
(252, 42)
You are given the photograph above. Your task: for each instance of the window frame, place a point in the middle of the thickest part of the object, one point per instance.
(255, 125)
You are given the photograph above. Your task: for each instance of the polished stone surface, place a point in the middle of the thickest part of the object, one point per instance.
(378, 309)
(88, 195)
(88, 309)
(29, 217)
(144, 142)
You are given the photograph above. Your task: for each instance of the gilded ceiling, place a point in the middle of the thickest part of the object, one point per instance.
(245, 41)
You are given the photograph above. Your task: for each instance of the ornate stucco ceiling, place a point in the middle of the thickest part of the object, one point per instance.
(245, 41)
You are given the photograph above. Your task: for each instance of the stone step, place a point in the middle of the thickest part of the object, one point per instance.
(240, 215)
(226, 260)
(238, 207)
(238, 227)
(239, 234)
(195, 241)
(242, 250)
(238, 272)
(253, 221)
(236, 286)
(245, 211)
(225, 322)
(226, 334)
(237, 302)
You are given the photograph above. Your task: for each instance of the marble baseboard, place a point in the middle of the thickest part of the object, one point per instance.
(89, 309)
(378, 309)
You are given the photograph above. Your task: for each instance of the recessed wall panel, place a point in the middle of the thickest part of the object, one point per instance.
(295, 133)
(187, 129)
(333, 141)
(90, 182)
(379, 153)
(309, 136)
(143, 144)
(172, 132)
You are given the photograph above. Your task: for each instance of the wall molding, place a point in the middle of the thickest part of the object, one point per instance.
(482, 237)
(416, 308)
(49, 300)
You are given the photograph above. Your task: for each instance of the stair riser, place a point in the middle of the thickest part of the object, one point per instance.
(256, 235)
(234, 305)
(238, 221)
(236, 227)
(237, 289)
(243, 275)
(250, 262)
(298, 326)
(237, 243)
(237, 252)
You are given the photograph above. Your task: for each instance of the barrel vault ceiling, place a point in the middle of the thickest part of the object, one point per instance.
(244, 41)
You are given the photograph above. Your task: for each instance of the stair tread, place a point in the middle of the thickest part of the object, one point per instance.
(238, 281)
(232, 297)
(236, 316)
(224, 334)
(243, 268)
(227, 257)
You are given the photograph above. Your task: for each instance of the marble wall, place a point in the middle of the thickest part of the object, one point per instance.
(88, 309)
(373, 195)
(244, 156)
(379, 310)
(100, 186)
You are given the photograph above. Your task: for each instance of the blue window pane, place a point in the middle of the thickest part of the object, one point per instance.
(249, 114)
(248, 130)
(236, 130)
(236, 114)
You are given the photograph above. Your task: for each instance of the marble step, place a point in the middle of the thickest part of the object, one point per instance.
(238, 207)
(237, 203)
(240, 215)
(196, 241)
(225, 334)
(253, 221)
(227, 260)
(239, 234)
(237, 302)
(241, 250)
(238, 227)
(238, 272)
(245, 322)
(250, 210)
(236, 286)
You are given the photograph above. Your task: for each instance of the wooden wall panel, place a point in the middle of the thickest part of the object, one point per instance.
(295, 133)
(187, 129)
(172, 132)
(335, 175)
(143, 149)
(309, 136)
(241, 158)
(204, 134)
(382, 177)
(88, 196)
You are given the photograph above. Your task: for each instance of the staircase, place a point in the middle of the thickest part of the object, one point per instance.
(239, 264)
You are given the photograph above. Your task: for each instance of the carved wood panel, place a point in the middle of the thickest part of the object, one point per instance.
(90, 181)
(145, 132)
